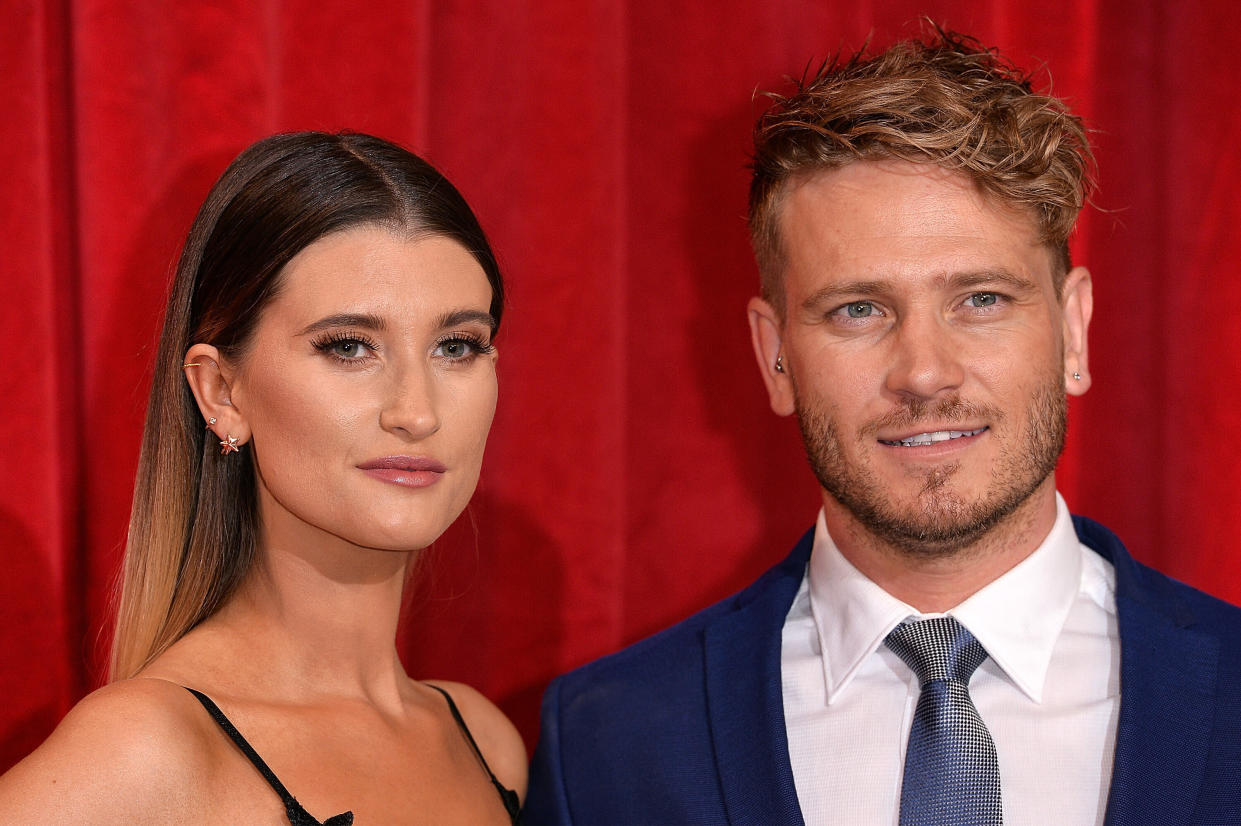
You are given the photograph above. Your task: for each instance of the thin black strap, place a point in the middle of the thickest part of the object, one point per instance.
(297, 815)
(245, 747)
(512, 804)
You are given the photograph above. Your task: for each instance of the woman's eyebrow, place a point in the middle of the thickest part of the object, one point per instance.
(370, 321)
(455, 317)
(366, 321)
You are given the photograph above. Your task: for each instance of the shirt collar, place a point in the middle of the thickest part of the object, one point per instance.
(1017, 618)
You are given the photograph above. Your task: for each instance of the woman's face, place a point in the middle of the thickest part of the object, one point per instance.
(368, 389)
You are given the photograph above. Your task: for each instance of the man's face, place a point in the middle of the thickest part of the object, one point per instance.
(925, 351)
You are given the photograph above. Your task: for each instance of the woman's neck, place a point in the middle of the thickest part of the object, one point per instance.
(315, 617)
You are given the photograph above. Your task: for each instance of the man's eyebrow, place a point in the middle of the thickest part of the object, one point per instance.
(834, 292)
(982, 278)
(456, 317)
(367, 321)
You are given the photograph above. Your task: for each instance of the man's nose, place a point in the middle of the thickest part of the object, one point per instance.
(926, 358)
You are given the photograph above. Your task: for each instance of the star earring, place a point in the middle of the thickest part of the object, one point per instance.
(229, 445)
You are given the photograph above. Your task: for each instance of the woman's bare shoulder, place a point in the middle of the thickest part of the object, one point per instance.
(135, 751)
(497, 737)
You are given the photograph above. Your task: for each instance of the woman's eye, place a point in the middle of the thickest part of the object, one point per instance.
(460, 349)
(456, 349)
(348, 349)
(345, 348)
(982, 300)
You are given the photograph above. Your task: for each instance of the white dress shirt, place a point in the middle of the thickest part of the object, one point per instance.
(1049, 692)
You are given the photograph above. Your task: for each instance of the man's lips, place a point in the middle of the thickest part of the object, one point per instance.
(408, 471)
(930, 437)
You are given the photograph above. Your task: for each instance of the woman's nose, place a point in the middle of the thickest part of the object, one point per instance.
(409, 407)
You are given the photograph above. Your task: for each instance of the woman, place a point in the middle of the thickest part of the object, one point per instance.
(324, 386)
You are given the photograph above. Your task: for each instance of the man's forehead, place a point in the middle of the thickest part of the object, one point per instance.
(875, 210)
(894, 188)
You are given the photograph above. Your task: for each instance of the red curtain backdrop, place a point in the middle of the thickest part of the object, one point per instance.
(635, 473)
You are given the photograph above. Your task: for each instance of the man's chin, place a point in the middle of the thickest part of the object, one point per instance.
(933, 539)
(931, 524)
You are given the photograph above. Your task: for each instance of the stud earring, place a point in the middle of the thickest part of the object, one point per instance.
(191, 364)
(780, 363)
(229, 445)
(210, 422)
(1077, 376)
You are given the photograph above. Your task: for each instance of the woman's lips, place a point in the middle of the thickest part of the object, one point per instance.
(407, 471)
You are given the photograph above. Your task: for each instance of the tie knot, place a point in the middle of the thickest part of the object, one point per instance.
(937, 649)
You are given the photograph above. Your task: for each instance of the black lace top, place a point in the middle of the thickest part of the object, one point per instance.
(299, 816)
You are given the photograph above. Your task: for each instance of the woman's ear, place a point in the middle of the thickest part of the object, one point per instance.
(209, 378)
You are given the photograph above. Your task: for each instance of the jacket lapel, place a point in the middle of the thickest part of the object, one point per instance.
(744, 699)
(1168, 675)
(1168, 685)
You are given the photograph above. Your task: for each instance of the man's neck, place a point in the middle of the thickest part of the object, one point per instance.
(939, 581)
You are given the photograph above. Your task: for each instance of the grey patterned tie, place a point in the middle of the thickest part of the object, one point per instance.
(951, 772)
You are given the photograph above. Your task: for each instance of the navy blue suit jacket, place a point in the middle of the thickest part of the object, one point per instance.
(688, 726)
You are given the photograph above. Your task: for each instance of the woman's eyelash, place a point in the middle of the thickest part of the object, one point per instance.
(479, 343)
(329, 342)
(348, 345)
(461, 348)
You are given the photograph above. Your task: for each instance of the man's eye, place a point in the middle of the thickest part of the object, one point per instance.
(859, 309)
(982, 300)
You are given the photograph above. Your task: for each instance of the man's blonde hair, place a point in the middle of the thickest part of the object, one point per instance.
(947, 101)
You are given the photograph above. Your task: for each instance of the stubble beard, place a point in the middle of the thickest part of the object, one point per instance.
(938, 522)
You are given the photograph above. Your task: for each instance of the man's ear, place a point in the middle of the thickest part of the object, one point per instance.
(767, 337)
(208, 378)
(1078, 304)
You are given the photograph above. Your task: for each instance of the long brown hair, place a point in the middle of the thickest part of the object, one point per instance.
(193, 527)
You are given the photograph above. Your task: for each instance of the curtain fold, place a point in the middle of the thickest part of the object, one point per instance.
(41, 610)
(635, 473)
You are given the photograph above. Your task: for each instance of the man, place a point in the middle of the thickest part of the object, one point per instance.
(947, 645)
